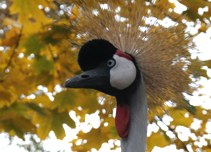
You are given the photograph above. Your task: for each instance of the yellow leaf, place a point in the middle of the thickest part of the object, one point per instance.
(181, 117)
(202, 114)
(75, 12)
(11, 22)
(207, 149)
(7, 97)
(157, 139)
(11, 37)
(91, 137)
(29, 15)
(44, 101)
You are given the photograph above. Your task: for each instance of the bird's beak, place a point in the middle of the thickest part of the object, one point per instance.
(94, 79)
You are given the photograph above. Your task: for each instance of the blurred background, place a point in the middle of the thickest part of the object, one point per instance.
(39, 43)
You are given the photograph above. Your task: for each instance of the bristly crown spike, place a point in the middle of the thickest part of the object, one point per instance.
(156, 48)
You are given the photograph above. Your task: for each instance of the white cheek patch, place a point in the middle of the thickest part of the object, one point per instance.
(123, 73)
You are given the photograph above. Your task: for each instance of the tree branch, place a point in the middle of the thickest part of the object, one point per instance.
(14, 51)
(173, 131)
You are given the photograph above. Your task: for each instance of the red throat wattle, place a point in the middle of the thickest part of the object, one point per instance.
(122, 120)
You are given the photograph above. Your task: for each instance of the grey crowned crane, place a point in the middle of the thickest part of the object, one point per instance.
(114, 72)
(126, 57)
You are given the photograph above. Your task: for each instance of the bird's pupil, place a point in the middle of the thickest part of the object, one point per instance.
(111, 63)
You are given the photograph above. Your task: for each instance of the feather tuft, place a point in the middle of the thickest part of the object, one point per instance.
(136, 28)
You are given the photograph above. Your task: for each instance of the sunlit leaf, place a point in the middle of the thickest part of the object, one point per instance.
(29, 15)
(181, 117)
(160, 139)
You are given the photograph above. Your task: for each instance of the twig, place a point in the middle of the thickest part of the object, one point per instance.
(173, 131)
(14, 50)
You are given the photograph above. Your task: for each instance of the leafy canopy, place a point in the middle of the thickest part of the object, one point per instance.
(39, 43)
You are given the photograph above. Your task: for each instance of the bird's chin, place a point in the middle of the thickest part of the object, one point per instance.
(108, 90)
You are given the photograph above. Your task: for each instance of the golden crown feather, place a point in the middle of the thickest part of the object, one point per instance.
(161, 52)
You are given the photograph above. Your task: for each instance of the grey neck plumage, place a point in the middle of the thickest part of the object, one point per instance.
(136, 140)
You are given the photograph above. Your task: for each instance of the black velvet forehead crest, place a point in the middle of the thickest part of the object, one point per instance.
(93, 52)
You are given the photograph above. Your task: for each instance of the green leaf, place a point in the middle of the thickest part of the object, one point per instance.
(189, 107)
(45, 124)
(53, 120)
(65, 100)
(196, 68)
(17, 119)
(42, 65)
(36, 108)
(56, 34)
(20, 128)
(57, 124)
(33, 45)
(16, 109)
(207, 63)
(5, 97)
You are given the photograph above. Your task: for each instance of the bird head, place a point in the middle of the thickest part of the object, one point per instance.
(105, 68)
(111, 71)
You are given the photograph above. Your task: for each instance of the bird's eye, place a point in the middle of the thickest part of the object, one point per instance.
(111, 63)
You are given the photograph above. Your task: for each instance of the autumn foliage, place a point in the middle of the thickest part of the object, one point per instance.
(39, 43)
